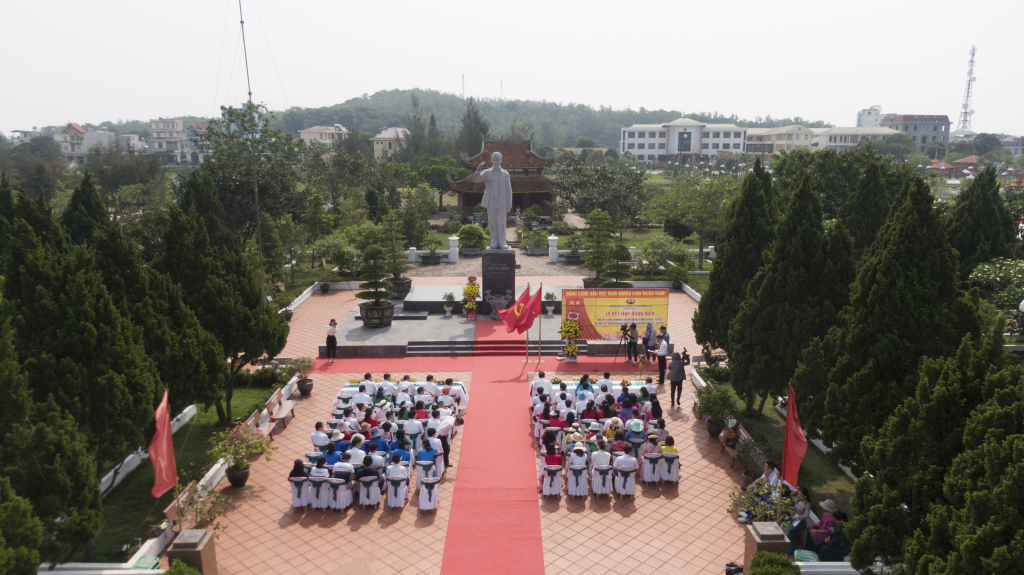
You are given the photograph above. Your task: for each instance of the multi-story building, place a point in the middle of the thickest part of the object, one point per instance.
(388, 142)
(870, 117)
(326, 134)
(98, 139)
(923, 129)
(196, 144)
(1012, 144)
(845, 138)
(131, 142)
(19, 137)
(169, 140)
(766, 142)
(686, 137)
(71, 140)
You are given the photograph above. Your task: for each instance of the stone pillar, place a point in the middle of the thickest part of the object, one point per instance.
(711, 253)
(553, 249)
(764, 537)
(499, 276)
(453, 249)
(632, 253)
(413, 256)
(195, 547)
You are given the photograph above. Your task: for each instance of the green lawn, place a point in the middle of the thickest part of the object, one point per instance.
(823, 478)
(699, 282)
(130, 509)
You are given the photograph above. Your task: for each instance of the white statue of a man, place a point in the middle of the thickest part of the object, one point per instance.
(497, 199)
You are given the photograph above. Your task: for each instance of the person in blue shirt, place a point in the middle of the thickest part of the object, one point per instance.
(427, 453)
(403, 449)
(399, 436)
(332, 456)
(636, 430)
(378, 437)
(623, 396)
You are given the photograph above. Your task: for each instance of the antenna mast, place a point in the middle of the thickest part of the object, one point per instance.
(463, 83)
(252, 136)
(966, 112)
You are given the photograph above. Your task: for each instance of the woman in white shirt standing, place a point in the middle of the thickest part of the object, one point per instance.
(332, 340)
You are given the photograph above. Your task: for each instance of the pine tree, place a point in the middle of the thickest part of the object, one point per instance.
(20, 531)
(748, 236)
(786, 304)
(905, 304)
(85, 212)
(474, 130)
(981, 228)
(433, 138)
(866, 209)
(597, 256)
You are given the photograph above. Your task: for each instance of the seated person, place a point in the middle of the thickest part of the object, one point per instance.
(446, 398)
(377, 438)
(836, 545)
(554, 420)
(570, 420)
(626, 413)
(388, 386)
(606, 383)
(593, 431)
(367, 471)
(298, 469)
(619, 445)
(396, 470)
(344, 469)
(435, 419)
(649, 446)
(771, 475)
(649, 385)
(319, 470)
(380, 413)
(387, 433)
(624, 395)
(332, 456)
(406, 412)
(368, 418)
(669, 446)
(552, 457)
(602, 456)
(626, 461)
(661, 432)
(537, 397)
(402, 451)
(430, 386)
(318, 436)
(361, 396)
(413, 427)
(427, 454)
(614, 426)
(357, 448)
(578, 455)
(371, 452)
(636, 430)
(399, 436)
(421, 411)
(422, 395)
(403, 395)
(824, 527)
(608, 410)
(349, 419)
(368, 385)
(589, 412)
(444, 411)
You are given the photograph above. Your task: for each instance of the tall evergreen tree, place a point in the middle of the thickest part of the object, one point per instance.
(433, 138)
(474, 130)
(219, 283)
(867, 207)
(905, 305)
(787, 302)
(85, 212)
(748, 236)
(981, 228)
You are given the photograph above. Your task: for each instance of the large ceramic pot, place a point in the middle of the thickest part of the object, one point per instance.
(288, 313)
(377, 315)
(325, 287)
(677, 285)
(573, 260)
(401, 287)
(589, 283)
(431, 260)
(238, 479)
(448, 310)
(713, 428)
(570, 359)
(551, 310)
(305, 386)
(749, 478)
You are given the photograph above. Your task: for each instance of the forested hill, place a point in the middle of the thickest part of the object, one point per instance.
(553, 124)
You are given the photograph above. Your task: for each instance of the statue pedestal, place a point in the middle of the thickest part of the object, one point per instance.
(498, 275)
(764, 537)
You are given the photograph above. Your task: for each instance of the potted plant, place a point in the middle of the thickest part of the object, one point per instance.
(472, 239)
(598, 245)
(713, 407)
(286, 303)
(238, 447)
(325, 276)
(751, 458)
(570, 332)
(433, 258)
(570, 351)
(758, 501)
(573, 258)
(469, 295)
(525, 237)
(536, 245)
(677, 274)
(393, 242)
(479, 213)
(549, 303)
(303, 366)
(449, 303)
(377, 311)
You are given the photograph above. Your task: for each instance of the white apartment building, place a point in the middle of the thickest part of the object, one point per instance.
(168, 140)
(870, 117)
(326, 134)
(654, 142)
(131, 142)
(101, 138)
(19, 137)
(841, 139)
(388, 142)
(766, 142)
(923, 129)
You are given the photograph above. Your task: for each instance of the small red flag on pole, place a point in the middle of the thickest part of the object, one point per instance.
(796, 443)
(161, 451)
(530, 311)
(510, 315)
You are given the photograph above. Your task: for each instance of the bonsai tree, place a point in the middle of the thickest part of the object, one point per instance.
(549, 297)
(431, 244)
(712, 405)
(532, 212)
(473, 236)
(479, 209)
(236, 445)
(303, 366)
(393, 242)
(449, 299)
(598, 242)
(373, 273)
(574, 245)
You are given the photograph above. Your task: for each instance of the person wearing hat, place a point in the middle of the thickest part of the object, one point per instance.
(650, 446)
(339, 442)
(824, 527)
(593, 431)
(836, 545)
(614, 425)
(636, 430)
(377, 438)
(579, 454)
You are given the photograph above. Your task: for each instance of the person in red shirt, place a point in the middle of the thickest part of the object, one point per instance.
(590, 412)
(619, 444)
(369, 418)
(555, 421)
(421, 412)
(552, 458)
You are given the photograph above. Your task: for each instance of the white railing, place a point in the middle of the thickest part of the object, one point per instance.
(691, 292)
(128, 464)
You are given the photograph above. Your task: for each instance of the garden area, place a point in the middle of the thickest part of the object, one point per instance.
(129, 509)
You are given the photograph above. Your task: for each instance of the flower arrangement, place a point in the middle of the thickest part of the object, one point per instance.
(570, 350)
(641, 362)
(569, 330)
(469, 305)
(236, 445)
(469, 294)
(555, 382)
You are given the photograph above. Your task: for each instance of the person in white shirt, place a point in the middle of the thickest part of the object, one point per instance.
(435, 419)
(626, 461)
(371, 386)
(371, 450)
(411, 427)
(319, 470)
(332, 341)
(649, 384)
(662, 351)
(578, 455)
(565, 408)
(395, 470)
(318, 436)
(537, 397)
(601, 456)
(606, 383)
(431, 386)
(446, 398)
(435, 444)
(445, 412)
(357, 448)
(362, 396)
(422, 395)
(388, 386)
(348, 419)
(540, 383)
(403, 395)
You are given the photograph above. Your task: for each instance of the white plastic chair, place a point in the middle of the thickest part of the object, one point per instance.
(320, 493)
(333, 423)
(414, 441)
(429, 493)
(637, 443)
(552, 480)
(424, 470)
(625, 481)
(313, 456)
(652, 467)
(577, 481)
(369, 491)
(670, 467)
(300, 491)
(398, 491)
(601, 480)
(340, 493)
(321, 447)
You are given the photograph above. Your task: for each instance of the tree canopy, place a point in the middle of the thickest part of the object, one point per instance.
(981, 227)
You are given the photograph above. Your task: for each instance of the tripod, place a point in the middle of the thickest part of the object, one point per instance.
(622, 337)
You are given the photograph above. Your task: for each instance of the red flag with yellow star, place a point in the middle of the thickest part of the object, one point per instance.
(510, 315)
(529, 311)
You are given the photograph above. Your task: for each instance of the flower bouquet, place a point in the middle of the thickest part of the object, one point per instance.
(570, 351)
(569, 330)
(469, 295)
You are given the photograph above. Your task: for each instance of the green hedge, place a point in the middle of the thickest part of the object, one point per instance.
(767, 563)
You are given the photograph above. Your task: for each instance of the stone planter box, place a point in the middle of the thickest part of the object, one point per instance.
(591, 283)
(429, 260)
(531, 251)
(377, 316)
(472, 251)
(573, 260)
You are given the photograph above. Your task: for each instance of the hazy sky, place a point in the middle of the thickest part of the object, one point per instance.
(107, 60)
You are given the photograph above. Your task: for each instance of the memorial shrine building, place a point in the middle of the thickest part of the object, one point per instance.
(526, 171)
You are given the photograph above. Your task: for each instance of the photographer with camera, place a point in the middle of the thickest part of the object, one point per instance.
(632, 337)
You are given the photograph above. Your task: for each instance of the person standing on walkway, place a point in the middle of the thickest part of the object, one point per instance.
(648, 340)
(332, 340)
(676, 375)
(664, 335)
(661, 350)
(634, 335)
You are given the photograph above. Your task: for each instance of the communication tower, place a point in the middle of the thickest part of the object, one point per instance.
(966, 112)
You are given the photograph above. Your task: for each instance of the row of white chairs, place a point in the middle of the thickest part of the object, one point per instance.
(331, 493)
(657, 467)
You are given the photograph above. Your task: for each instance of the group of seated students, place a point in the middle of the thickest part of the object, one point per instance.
(367, 437)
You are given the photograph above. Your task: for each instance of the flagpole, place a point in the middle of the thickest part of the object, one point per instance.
(527, 360)
(540, 329)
